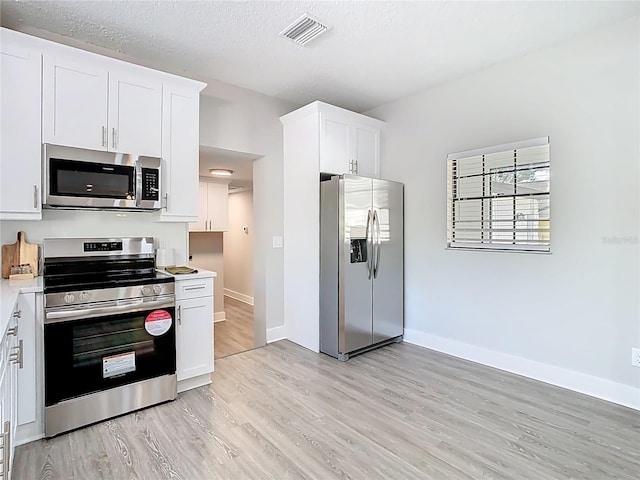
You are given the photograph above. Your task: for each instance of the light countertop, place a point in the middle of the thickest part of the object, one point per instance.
(9, 291)
(192, 276)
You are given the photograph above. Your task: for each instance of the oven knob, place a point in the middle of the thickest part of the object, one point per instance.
(69, 298)
(157, 289)
(146, 291)
(84, 296)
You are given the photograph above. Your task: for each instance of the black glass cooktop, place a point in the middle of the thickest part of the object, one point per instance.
(94, 273)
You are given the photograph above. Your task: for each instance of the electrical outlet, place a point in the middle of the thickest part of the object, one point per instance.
(635, 357)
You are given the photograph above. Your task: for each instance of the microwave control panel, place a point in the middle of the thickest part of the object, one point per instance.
(150, 184)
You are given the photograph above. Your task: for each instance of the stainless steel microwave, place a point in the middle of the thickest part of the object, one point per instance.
(79, 178)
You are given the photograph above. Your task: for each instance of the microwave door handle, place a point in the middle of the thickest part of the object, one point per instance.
(138, 182)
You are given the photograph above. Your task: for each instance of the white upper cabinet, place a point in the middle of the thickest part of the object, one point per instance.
(349, 142)
(335, 154)
(88, 103)
(74, 102)
(135, 114)
(213, 215)
(56, 94)
(365, 148)
(20, 120)
(180, 147)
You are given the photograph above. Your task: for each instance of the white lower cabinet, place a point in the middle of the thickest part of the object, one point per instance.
(194, 332)
(12, 360)
(30, 397)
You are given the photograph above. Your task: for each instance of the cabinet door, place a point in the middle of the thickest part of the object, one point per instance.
(27, 374)
(74, 103)
(20, 148)
(366, 150)
(8, 398)
(5, 400)
(335, 152)
(203, 210)
(194, 337)
(135, 114)
(180, 134)
(218, 201)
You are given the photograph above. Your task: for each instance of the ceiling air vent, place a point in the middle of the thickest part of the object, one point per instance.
(304, 29)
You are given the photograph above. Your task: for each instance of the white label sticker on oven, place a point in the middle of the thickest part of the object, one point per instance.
(118, 364)
(158, 322)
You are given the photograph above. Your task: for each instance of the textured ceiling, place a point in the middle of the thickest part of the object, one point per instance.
(375, 52)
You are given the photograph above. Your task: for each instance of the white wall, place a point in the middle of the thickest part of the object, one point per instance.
(238, 247)
(206, 250)
(77, 223)
(237, 119)
(570, 317)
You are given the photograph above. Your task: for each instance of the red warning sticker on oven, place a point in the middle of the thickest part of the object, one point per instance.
(158, 322)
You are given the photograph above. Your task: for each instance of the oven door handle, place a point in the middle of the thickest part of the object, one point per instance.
(138, 305)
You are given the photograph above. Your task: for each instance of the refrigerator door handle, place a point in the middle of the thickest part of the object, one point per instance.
(376, 231)
(369, 243)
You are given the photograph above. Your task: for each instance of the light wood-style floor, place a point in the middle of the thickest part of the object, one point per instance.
(399, 412)
(235, 334)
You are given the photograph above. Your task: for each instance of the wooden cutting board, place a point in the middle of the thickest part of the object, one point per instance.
(19, 253)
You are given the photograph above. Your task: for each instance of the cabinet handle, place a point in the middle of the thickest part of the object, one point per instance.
(36, 199)
(166, 201)
(13, 331)
(114, 137)
(196, 287)
(17, 358)
(179, 314)
(17, 314)
(6, 448)
(104, 136)
(355, 167)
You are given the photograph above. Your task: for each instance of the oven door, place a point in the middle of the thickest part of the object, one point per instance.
(96, 347)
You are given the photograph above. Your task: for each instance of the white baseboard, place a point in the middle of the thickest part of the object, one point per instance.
(241, 297)
(561, 377)
(194, 382)
(276, 333)
(219, 317)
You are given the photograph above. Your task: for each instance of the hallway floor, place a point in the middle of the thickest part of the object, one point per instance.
(235, 334)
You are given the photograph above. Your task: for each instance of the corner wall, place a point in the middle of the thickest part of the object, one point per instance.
(568, 318)
(238, 248)
(237, 119)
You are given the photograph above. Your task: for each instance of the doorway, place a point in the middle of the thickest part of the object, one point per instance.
(229, 251)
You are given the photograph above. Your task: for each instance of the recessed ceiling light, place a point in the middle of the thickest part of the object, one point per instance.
(220, 172)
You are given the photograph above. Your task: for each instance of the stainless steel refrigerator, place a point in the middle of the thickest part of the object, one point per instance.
(361, 264)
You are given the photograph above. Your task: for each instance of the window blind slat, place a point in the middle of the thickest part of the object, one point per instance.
(500, 198)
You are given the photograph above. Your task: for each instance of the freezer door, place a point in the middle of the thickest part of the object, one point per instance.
(388, 265)
(355, 270)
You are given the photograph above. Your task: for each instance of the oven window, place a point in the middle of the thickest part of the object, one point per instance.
(94, 342)
(87, 356)
(85, 179)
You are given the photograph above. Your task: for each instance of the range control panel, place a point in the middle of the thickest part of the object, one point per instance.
(102, 246)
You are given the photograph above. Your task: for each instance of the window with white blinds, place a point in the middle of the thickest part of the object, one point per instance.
(498, 197)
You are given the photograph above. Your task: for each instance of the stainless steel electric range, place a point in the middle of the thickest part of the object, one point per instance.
(109, 330)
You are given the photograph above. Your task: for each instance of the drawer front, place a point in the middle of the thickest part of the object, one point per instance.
(194, 288)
